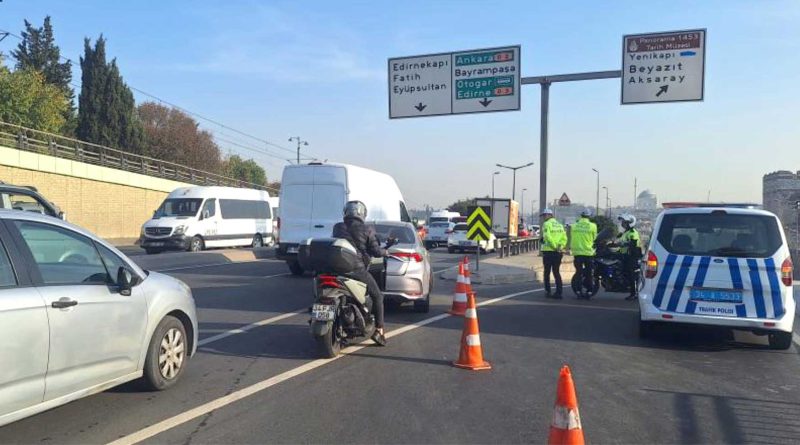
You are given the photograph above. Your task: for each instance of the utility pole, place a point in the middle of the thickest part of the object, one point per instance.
(635, 184)
(607, 201)
(522, 203)
(597, 202)
(514, 180)
(299, 143)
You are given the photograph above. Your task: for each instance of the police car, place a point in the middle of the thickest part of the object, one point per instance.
(719, 266)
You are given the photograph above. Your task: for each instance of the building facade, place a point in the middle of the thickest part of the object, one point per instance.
(646, 200)
(781, 192)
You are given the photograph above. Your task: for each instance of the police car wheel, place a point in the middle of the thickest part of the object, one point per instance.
(780, 340)
(646, 329)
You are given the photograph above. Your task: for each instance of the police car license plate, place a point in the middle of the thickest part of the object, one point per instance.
(323, 312)
(716, 295)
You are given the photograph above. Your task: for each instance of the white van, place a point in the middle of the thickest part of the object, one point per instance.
(195, 218)
(443, 216)
(313, 198)
(274, 203)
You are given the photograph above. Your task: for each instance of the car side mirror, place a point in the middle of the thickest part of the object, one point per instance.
(124, 281)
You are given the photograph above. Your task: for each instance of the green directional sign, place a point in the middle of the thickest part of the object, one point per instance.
(479, 223)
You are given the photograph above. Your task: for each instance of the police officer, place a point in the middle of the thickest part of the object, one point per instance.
(631, 249)
(554, 241)
(583, 236)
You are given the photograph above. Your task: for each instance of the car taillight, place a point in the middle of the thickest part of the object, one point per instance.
(651, 268)
(413, 256)
(786, 271)
(328, 281)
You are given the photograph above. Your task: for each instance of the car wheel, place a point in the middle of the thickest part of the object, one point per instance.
(423, 306)
(780, 340)
(451, 250)
(197, 244)
(295, 268)
(167, 354)
(257, 241)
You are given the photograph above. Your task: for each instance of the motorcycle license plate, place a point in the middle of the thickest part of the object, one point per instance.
(323, 312)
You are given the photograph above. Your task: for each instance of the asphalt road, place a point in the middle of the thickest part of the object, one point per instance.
(266, 384)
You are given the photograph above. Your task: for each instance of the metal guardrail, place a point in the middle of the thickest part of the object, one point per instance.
(514, 246)
(42, 142)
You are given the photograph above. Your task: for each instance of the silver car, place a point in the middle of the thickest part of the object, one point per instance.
(408, 268)
(77, 317)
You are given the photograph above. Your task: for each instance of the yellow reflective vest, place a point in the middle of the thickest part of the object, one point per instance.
(554, 237)
(582, 236)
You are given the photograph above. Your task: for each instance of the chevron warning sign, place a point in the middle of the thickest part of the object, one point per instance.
(479, 224)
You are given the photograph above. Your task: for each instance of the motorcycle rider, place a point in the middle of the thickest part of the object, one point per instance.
(554, 241)
(631, 250)
(363, 238)
(583, 236)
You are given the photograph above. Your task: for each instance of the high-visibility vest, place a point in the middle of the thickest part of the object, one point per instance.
(582, 236)
(554, 237)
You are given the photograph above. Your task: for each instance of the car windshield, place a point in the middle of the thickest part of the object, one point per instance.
(460, 228)
(179, 207)
(720, 234)
(404, 234)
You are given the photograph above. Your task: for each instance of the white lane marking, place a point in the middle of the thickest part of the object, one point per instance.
(199, 266)
(276, 275)
(248, 327)
(221, 402)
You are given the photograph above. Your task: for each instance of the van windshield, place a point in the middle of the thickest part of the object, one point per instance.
(721, 235)
(179, 207)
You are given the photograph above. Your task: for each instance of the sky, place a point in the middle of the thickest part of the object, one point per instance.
(317, 69)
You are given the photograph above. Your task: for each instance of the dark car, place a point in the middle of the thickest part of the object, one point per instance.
(27, 199)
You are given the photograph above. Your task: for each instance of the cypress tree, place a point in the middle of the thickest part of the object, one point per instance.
(106, 108)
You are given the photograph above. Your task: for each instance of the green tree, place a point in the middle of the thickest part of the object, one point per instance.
(248, 171)
(604, 222)
(106, 108)
(172, 135)
(27, 100)
(38, 51)
(462, 206)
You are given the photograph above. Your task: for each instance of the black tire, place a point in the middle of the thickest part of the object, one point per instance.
(423, 306)
(646, 329)
(329, 345)
(169, 336)
(152, 251)
(451, 250)
(780, 340)
(295, 268)
(196, 244)
(258, 241)
(575, 283)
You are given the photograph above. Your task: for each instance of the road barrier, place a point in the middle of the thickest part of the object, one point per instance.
(514, 246)
(42, 142)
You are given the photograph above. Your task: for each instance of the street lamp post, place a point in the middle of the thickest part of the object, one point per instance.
(607, 209)
(491, 209)
(514, 180)
(597, 202)
(299, 143)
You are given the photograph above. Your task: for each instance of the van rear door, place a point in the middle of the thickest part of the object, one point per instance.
(296, 205)
(328, 203)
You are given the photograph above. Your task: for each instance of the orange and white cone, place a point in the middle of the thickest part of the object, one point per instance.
(467, 275)
(460, 295)
(471, 355)
(566, 426)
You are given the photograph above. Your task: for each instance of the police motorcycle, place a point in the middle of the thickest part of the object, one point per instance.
(609, 268)
(342, 309)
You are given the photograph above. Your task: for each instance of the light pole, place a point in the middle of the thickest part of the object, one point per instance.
(514, 180)
(299, 143)
(597, 202)
(522, 210)
(607, 209)
(491, 210)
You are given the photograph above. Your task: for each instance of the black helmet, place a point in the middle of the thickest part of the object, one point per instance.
(355, 209)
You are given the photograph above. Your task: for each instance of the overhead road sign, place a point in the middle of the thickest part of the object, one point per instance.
(476, 81)
(479, 223)
(663, 67)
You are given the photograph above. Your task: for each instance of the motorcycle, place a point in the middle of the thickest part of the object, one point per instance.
(609, 269)
(342, 308)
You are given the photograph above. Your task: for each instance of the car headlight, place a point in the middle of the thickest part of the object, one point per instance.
(141, 232)
(180, 230)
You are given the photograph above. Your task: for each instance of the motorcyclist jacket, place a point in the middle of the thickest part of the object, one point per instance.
(630, 243)
(362, 237)
(554, 237)
(583, 235)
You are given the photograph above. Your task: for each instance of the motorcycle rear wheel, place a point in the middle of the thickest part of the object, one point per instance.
(330, 344)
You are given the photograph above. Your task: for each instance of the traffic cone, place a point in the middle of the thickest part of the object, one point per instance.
(467, 275)
(471, 355)
(460, 295)
(566, 426)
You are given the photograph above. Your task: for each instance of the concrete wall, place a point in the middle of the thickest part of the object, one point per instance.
(111, 203)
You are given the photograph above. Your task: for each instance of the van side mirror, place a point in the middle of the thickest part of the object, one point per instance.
(124, 281)
(205, 214)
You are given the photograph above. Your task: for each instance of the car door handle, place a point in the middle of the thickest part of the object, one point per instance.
(319, 226)
(64, 303)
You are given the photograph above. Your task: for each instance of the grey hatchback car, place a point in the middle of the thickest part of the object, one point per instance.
(409, 277)
(78, 317)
